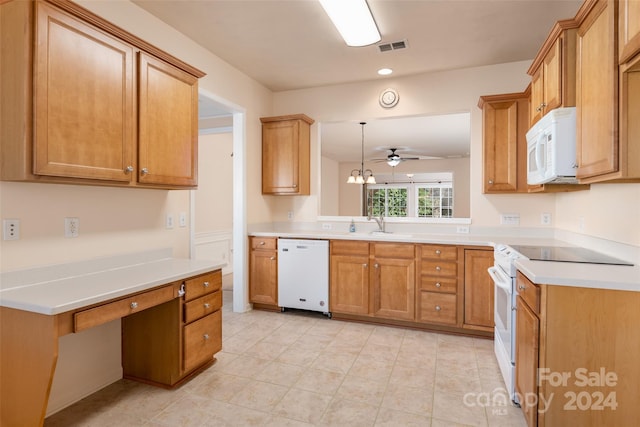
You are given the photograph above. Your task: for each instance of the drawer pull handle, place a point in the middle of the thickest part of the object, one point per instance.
(438, 268)
(261, 243)
(206, 336)
(438, 308)
(205, 284)
(134, 305)
(207, 305)
(438, 285)
(438, 252)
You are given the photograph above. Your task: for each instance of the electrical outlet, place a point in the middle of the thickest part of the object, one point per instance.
(290, 215)
(545, 219)
(71, 227)
(169, 221)
(11, 229)
(182, 219)
(510, 219)
(326, 226)
(463, 229)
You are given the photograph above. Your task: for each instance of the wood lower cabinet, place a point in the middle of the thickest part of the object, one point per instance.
(263, 270)
(84, 102)
(286, 155)
(576, 355)
(349, 277)
(167, 343)
(392, 280)
(478, 289)
(437, 285)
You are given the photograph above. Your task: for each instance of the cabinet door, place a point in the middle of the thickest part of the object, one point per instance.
(504, 126)
(552, 66)
(537, 95)
(478, 288)
(263, 277)
(393, 288)
(84, 122)
(349, 287)
(597, 95)
(168, 121)
(202, 339)
(629, 29)
(527, 344)
(284, 153)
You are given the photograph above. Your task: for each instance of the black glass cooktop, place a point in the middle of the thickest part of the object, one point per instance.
(567, 254)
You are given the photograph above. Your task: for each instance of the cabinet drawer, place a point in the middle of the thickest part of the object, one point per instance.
(201, 285)
(117, 309)
(345, 247)
(202, 339)
(439, 252)
(438, 284)
(437, 308)
(202, 306)
(263, 242)
(529, 291)
(393, 250)
(439, 268)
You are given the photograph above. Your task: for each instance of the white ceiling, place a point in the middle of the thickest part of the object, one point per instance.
(292, 44)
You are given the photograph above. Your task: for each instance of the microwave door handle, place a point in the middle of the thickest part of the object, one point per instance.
(539, 151)
(499, 279)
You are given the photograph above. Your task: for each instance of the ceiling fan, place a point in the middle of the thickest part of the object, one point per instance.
(394, 158)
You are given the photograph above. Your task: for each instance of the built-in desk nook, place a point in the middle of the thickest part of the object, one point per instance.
(171, 322)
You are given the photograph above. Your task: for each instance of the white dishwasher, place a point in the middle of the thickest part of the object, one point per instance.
(303, 274)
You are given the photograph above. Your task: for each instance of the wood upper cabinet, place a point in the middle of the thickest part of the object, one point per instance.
(263, 270)
(286, 155)
(478, 289)
(168, 124)
(505, 121)
(349, 277)
(393, 280)
(84, 102)
(628, 29)
(553, 72)
(597, 93)
(84, 95)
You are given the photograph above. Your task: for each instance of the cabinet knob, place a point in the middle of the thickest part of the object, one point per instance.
(521, 287)
(490, 181)
(206, 336)
(364, 265)
(207, 305)
(438, 268)
(129, 169)
(261, 243)
(438, 285)
(438, 308)
(438, 252)
(144, 171)
(294, 186)
(205, 284)
(134, 305)
(272, 258)
(376, 265)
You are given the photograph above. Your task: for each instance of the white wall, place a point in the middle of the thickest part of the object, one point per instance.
(433, 93)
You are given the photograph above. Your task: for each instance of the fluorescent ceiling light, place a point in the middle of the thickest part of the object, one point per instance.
(353, 20)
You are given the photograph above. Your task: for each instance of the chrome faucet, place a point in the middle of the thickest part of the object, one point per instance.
(379, 221)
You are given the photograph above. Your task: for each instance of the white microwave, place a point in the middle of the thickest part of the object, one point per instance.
(551, 148)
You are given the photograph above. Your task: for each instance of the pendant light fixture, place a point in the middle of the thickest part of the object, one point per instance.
(362, 175)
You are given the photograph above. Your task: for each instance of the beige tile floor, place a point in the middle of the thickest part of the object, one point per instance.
(302, 369)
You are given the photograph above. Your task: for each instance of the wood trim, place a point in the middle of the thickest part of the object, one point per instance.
(302, 117)
(90, 17)
(503, 97)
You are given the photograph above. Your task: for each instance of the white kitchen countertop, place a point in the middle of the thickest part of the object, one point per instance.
(614, 277)
(60, 288)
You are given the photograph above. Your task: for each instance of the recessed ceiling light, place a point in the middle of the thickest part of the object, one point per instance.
(385, 71)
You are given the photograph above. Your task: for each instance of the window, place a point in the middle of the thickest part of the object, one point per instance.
(411, 199)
